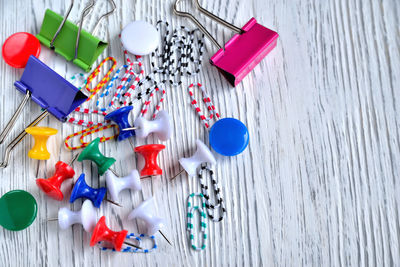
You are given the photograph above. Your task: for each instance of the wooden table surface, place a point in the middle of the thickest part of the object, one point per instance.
(318, 183)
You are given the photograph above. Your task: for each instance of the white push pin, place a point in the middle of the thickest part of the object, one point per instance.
(202, 155)
(145, 212)
(115, 184)
(160, 126)
(87, 216)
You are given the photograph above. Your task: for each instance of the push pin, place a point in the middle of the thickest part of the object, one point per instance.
(102, 233)
(92, 153)
(40, 134)
(161, 126)
(115, 184)
(243, 51)
(69, 40)
(45, 87)
(145, 212)
(202, 155)
(51, 186)
(86, 216)
(120, 117)
(149, 154)
(82, 190)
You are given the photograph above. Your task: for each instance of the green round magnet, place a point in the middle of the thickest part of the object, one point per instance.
(18, 210)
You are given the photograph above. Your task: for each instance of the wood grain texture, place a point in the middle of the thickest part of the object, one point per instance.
(318, 184)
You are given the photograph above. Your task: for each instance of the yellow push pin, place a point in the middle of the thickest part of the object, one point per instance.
(40, 134)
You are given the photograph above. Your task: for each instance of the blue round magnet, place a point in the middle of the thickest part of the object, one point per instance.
(229, 136)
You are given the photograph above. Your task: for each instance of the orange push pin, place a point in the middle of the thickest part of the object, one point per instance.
(40, 134)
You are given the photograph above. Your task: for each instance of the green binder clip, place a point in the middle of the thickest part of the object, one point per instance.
(69, 40)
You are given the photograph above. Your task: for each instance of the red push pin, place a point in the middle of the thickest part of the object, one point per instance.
(102, 233)
(149, 153)
(52, 185)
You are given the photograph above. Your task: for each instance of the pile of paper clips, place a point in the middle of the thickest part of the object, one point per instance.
(172, 55)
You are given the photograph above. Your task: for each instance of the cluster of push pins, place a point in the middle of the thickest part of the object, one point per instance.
(227, 136)
(95, 196)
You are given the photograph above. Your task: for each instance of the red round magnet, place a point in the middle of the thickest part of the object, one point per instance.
(19, 47)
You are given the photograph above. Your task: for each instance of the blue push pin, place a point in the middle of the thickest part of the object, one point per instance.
(229, 137)
(82, 190)
(120, 117)
(160, 126)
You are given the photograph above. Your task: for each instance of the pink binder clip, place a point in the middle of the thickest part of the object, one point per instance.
(243, 51)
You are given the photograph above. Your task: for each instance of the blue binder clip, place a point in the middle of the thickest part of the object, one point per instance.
(50, 91)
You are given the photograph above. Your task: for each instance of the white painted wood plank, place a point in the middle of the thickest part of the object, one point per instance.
(317, 184)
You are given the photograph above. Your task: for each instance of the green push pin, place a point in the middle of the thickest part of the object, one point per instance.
(92, 152)
(18, 210)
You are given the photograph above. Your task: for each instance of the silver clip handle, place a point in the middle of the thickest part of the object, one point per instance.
(19, 138)
(104, 16)
(61, 25)
(218, 19)
(208, 14)
(14, 118)
(85, 12)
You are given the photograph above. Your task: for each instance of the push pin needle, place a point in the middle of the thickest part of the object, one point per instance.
(114, 172)
(130, 129)
(132, 245)
(165, 237)
(132, 144)
(176, 175)
(112, 202)
(73, 159)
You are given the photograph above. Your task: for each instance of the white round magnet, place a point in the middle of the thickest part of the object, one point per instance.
(140, 38)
